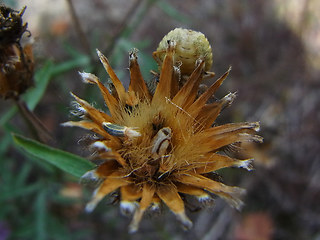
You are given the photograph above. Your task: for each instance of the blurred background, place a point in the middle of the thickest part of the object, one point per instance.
(274, 50)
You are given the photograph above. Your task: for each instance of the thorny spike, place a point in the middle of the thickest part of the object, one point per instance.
(22, 11)
(115, 80)
(137, 83)
(165, 81)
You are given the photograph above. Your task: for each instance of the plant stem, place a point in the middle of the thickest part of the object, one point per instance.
(35, 125)
(81, 34)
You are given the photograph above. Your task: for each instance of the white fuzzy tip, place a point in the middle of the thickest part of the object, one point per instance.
(203, 198)
(89, 176)
(127, 208)
(98, 52)
(256, 126)
(100, 146)
(87, 77)
(247, 164)
(206, 200)
(67, 124)
(229, 97)
(90, 207)
(155, 207)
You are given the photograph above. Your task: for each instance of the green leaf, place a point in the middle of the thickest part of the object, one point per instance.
(70, 64)
(8, 115)
(42, 78)
(66, 161)
(41, 215)
(5, 143)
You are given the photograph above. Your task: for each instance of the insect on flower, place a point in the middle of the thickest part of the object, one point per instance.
(157, 148)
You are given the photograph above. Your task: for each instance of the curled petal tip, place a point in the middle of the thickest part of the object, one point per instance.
(84, 76)
(247, 164)
(90, 176)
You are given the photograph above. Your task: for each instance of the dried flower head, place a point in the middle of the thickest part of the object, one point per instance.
(16, 70)
(16, 62)
(11, 25)
(158, 148)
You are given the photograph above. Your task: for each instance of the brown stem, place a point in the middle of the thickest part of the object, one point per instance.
(83, 38)
(122, 26)
(36, 126)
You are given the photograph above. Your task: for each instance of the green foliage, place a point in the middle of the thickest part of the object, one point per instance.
(67, 162)
(25, 194)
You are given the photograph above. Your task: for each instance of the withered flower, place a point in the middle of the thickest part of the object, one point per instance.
(16, 62)
(160, 147)
(11, 25)
(16, 70)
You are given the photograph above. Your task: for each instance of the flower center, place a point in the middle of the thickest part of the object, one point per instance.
(159, 151)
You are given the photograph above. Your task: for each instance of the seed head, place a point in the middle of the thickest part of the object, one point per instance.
(159, 147)
(16, 62)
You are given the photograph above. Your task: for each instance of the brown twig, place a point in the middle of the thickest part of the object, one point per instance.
(35, 125)
(122, 26)
(81, 34)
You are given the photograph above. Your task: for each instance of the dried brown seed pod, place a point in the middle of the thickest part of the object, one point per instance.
(16, 61)
(16, 70)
